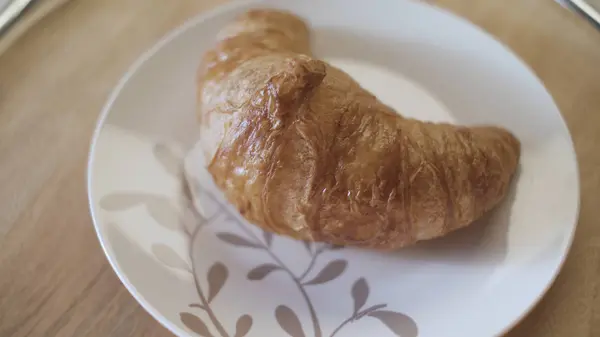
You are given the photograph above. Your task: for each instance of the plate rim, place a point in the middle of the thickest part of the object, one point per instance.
(232, 5)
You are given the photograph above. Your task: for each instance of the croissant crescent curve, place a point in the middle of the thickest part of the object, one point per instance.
(301, 149)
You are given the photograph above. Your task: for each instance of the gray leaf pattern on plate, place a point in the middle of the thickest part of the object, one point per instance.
(260, 272)
(289, 322)
(243, 325)
(360, 296)
(169, 257)
(236, 240)
(168, 159)
(195, 324)
(360, 293)
(369, 310)
(399, 323)
(159, 207)
(332, 270)
(217, 275)
(164, 213)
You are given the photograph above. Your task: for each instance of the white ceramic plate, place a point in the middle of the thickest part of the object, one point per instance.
(425, 62)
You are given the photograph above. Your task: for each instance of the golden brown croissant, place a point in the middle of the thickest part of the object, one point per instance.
(300, 149)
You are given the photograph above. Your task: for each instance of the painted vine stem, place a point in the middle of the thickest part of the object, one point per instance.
(217, 276)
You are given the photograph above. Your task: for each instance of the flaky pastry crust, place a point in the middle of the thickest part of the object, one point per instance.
(301, 149)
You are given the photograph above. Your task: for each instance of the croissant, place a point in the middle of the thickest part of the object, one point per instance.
(302, 150)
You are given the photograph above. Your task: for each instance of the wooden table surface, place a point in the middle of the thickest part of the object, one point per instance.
(54, 278)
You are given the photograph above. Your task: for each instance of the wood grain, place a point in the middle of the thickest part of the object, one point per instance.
(54, 279)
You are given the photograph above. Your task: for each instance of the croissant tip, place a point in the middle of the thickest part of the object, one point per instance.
(307, 72)
(512, 141)
(506, 136)
(315, 71)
